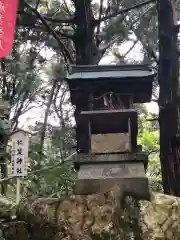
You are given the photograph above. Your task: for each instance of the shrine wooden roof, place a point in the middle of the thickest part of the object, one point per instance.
(133, 80)
(109, 71)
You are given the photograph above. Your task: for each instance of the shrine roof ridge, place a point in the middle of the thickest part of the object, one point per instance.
(104, 68)
(110, 71)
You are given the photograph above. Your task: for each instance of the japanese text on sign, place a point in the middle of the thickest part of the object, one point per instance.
(19, 154)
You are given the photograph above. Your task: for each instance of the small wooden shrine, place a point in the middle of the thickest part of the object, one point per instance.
(107, 127)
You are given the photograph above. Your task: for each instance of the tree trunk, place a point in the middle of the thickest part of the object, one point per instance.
(168, 100)
(86, 49)
(87, 53)
(43, 133)
(4, 138)
(4, 162)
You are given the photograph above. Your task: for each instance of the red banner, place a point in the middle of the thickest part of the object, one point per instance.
(8, 11)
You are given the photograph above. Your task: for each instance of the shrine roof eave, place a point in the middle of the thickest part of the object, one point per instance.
(112, 75)
(113, 72)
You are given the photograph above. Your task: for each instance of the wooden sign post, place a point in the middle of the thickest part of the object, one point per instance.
(19, 157)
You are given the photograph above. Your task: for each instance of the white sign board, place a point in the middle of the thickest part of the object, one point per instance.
(19, 153)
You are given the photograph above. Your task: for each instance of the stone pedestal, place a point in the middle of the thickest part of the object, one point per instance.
(99, 173)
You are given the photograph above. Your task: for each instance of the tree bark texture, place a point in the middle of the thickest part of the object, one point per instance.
(87, 53)
(169, 98)
(84, 40)
(94, 217)
(48, 106)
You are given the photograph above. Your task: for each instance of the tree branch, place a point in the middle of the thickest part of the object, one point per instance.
(131, 48)
(56, 20)
(153, 151)
(65, 51)
(97, 21)
(98, 27)
(51, 19)
(54, 101)
(37, 4)
(104, 48)
(65, 34)
(66, 6)
(44, 169)
(152, 120)
(146, 46)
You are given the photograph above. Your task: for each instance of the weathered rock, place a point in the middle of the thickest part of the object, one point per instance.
(100, 217)
(7, 208)
(15, 230)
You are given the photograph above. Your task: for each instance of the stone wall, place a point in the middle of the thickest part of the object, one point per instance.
(95, 217)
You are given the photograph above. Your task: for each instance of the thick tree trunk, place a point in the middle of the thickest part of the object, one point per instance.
(169, 99)
(86, 54)
(86, 49)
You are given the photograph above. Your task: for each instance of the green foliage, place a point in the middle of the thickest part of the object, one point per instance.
(149, 139)
(59, 178)
(53, 183)
(5, 126)
(115, 28)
